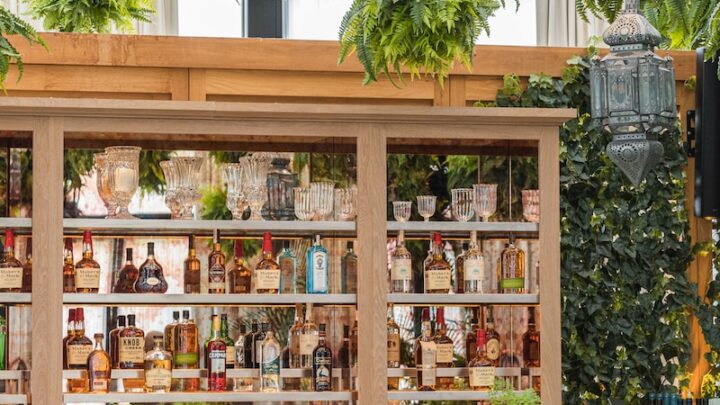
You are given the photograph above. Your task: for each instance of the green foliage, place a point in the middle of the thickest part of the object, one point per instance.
(424, 36)
(91, 16)
(10, 24)
(340, 168)
(504, 394)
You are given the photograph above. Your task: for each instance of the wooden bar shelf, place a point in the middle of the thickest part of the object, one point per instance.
(464, 299)
(463, 372)
(14, 399)
(202, 373)
(454, 228)
(208, 299)
(15, 298)
(144, 398)
(408, 395)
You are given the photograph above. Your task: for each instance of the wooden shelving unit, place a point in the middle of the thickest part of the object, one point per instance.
(464, 299)
(369, 131)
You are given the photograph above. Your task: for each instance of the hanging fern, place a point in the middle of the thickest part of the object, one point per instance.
(423, 36)
(96, 16)
(10, 24)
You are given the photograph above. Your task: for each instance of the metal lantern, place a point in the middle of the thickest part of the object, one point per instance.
(633, 93)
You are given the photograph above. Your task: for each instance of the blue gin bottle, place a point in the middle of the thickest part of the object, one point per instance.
(317, 268)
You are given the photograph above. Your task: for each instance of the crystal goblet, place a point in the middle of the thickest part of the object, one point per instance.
(255, 170)
(402, 210)
(426, 206)
(304, 210)
(188, 169)
(462, 204)
(345, 203)
(531, 205)
(322, 199)
(485, 200)
(171, 188)
(102, 183)
(232, 173)
(123, 168)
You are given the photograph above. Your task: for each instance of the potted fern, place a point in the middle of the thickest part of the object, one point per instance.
(10, 24)
(98, 16)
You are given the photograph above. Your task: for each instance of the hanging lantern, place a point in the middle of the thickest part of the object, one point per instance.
(633, 93)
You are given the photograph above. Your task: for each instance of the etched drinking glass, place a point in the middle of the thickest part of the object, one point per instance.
(531, 205)
(462, 204)
(123, 168)
(485, 200)
(304, 209)
(232, 173)
(171, 188)
(402, 210)
(102, 182)
(426, 206)
(322, 199)
(255, 170)
(188, 170)
(345, 203)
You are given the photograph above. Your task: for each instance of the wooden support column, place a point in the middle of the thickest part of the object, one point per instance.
(550, 308)
(372, 275)
(47, 231)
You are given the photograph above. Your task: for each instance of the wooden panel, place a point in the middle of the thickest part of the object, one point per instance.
(47, 280)
(483, 88)
(196, 78)
(551, 352)
(457, 91)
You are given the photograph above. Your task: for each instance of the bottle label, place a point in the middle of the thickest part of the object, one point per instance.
(187, 360)
(287, 268)
(158, 379)
(294, 344)
(267, 279)
(428, 375)
(99, 385)
(323, 373)
(131, 349)
(319, 271)
(438, 279)
(473, 269)
(401, 270)
(230, 354)
(270, 370)
(217, 361)
(534, 352)
(512, 282)
(152, 281)
(393, 347)
(216, 286)
(11, 277)
(308, 343)
(87, 277)
(492, 347)
(78, 354)
(428, 354)
(445, 353)
(482, 376)
(258, 352)
(216, 277)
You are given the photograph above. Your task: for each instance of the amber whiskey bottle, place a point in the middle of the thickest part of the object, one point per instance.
(169, 333)
(438, 274)
(425, 352)
(68, 268)
(128, 275)
(191, 269)
(492, 339)
(27, 268)
(79, 346)
(216, 267)
(150, 275)
(70, 334)
(87, 270)
(186, 354)
(239, 277)
(445, 348)
(113, 341)
(481, 368)
(131, 346)
(531, 348)
(98, 366)
(11, 270)
(267, 272)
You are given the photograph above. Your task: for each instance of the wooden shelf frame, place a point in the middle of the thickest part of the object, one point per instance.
(216, 125)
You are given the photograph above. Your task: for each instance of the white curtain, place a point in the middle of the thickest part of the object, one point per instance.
(559, 25)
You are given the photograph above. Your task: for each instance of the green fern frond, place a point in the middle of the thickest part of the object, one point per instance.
(10, 24)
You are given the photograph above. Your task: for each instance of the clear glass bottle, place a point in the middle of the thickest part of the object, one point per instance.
(322, 364)
(169, 341)
(87, 270)
(476, 280)
(128, 275)
(445, 348)
(158, 368)
(317, 268)
(27, 268)
(240, 276)
(425, 355)
(481, 368)
(280, 184)
(187, 354)
(348, 270)
(459, 281)
(216, 352)
(269, 363)
(288, 269)
(438, 274)
(191, 269)
(150, 275)
(11, 269)
(511, 271)
(113, 341)
(294, 338)
(68, 268)
(229, 342)
(267, 272)
(401, 272)
(492, 339)
(241, 384)
(308, 339)
(98, 366)
(216, 267)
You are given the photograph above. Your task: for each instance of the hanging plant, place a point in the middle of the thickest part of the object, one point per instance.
(96, 16)
(423, 36)
(10, 24)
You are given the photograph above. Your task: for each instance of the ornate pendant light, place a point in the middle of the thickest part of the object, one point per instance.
(633, 93)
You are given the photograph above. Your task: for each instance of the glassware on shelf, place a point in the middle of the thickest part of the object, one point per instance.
(531, 205)
(236, 201)
(322, 199)
(123, 173)
(462, 204)
(345, 203)
(255, 170)
(171, 188)
(280, 184)
(402, 210)
(188, 171)
(102, 182)
(426, 206)
(303, 203)
(485, 200)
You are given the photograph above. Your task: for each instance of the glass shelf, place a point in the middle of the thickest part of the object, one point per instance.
(421, 228)
(14, 399)
(462, 372)
(209, 299)
(202, 373)
(437, 395)
(465, 299)
(15, 298)
(209, 397)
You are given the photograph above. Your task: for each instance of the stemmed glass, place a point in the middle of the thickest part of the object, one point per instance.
(462, 204)
(485, 200)
(426, 206)
(123, 168)
(322, 199)
(255, 170)
(232, 173)
(171, 188)
(402, 210)
(304, 210)
(188, 171)
(531, 205)
(345, 203)
(103, 185)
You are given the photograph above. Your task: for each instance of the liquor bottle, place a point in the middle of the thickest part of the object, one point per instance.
(511, 272)
(445, 348)
(216, 267)
(169, 341)
(249, 349)
(343, 355)
(269, 363)
(79, 346)
(459, 281)
(241, 384)
(191, 269)
(27, 268)
(113, 342)
(150, 277)
(476, 280)
(308, 339)
(317, 268)
(131, 346)
(267, 272)
(492, 339)
(425, 355)
(239, 277)
(401, 274)
(294, 338)
(438, 275)
(11, 270)
(393, 340)
(322, 364)
(288, 269)
(128, 275)
(209, 337)
(70, 334)
(482, 369)
(229, 342)
(471, 337)
(98, 367)
(87, 270)
(348, 270)
(258, 339)
(354, 341)
(158, 368)
(186, 354)
(216, 352)
(531, 347)
(68, 268)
